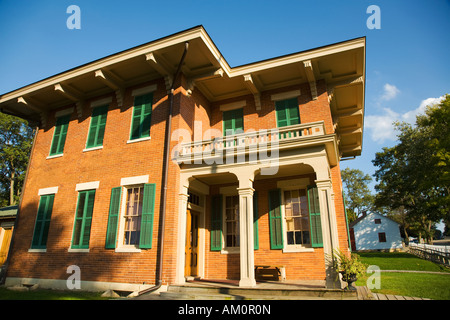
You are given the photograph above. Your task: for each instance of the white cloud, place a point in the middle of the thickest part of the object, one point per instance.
(390, 92)
(381, 126)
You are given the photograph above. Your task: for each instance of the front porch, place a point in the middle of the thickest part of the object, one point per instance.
(229, 248)
(266, 290)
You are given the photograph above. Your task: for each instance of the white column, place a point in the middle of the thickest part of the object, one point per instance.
(329, 230)
(247, 261)
(182, 207)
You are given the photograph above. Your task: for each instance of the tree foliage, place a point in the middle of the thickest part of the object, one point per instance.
(413, 176)
(358, 197)
(15, 146)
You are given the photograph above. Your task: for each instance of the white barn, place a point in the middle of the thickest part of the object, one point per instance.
(375, 232)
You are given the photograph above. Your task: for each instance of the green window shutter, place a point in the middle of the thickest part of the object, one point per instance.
(59, 136)
(97, 127)
(255, 221)
(314, 217)
(113, 219)
(275, 220)
(148, 208)
(233, 122)
(292, 111)
(142, 112)
(83, 220)
(216, 223)
(42, 224)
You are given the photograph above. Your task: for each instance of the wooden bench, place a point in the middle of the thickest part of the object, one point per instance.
(267, 272)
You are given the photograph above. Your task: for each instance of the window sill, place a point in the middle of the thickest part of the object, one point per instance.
(289, 249)
(128, 249)
(230, 251)
(138, 140)
(37, 250)
(55, 156)
(77, 250)
(92, 149)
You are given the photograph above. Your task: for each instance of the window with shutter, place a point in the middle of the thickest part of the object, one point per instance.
(287, 114)
(83, 220)
(233, 122)
(42, 224)
(113, 218)
(135, 222)
(255, 221)
(314, 216)
(148, 208)
(59, 135)
(275, 222)
(97, 127)
(216, 223)
(142, 112)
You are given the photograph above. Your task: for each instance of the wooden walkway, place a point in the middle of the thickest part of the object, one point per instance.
(380, 296)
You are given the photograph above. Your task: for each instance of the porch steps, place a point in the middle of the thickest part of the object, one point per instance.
(199, 292)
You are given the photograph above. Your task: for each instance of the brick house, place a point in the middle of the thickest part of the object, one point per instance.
(252, 177)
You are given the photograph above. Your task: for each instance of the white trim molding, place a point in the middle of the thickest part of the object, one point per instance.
(144, 90)
(87, 186)
(64, 112)
(285, 95)
(233, 105)
(134, 180)
(45, 191)
(101, 102)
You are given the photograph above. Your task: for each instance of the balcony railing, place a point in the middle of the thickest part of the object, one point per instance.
(250, 141)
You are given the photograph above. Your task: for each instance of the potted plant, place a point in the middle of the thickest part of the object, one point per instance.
(349, 267)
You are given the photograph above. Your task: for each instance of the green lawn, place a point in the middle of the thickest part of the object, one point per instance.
(424, 285)
(42, 294)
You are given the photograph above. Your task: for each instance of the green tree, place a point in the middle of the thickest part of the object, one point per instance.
(358, 197)
(412, 175)
(15, 145)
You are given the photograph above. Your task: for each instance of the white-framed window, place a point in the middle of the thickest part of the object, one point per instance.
(231, 217)
(130, 221)
(295, 214)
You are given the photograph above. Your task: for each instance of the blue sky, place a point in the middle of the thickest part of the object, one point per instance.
(406, 60)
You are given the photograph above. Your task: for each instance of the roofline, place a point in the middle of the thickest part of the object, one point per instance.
(231, 71)
(104, 58)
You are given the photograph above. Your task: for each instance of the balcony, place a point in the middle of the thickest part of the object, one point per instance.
(257, 145)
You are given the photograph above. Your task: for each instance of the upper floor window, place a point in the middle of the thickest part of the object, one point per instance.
(233, 122)
(59, 136)
(287, 112)
(377, 221)
(142, 113)
(97, 127)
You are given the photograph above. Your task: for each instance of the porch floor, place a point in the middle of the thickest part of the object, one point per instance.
(210, 289)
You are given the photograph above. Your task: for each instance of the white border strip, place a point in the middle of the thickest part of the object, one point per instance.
(87, 186)
(134, 180)
(144, 90)
(45, 191)
(101, 102)
(285, 95)
(64, 112)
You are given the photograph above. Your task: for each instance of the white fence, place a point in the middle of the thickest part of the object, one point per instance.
(438, 254)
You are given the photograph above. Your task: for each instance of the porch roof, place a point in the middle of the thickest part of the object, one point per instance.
(340, 65)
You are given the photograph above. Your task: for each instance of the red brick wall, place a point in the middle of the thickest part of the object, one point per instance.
(117, 160)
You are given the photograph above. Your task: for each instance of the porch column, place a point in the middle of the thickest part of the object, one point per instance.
(182, 207)
(329, 230)
(247, 260)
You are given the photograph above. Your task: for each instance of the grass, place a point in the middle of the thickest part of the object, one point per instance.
(423, 285)
(42, 294)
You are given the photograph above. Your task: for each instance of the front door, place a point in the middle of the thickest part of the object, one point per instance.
(191, 249)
